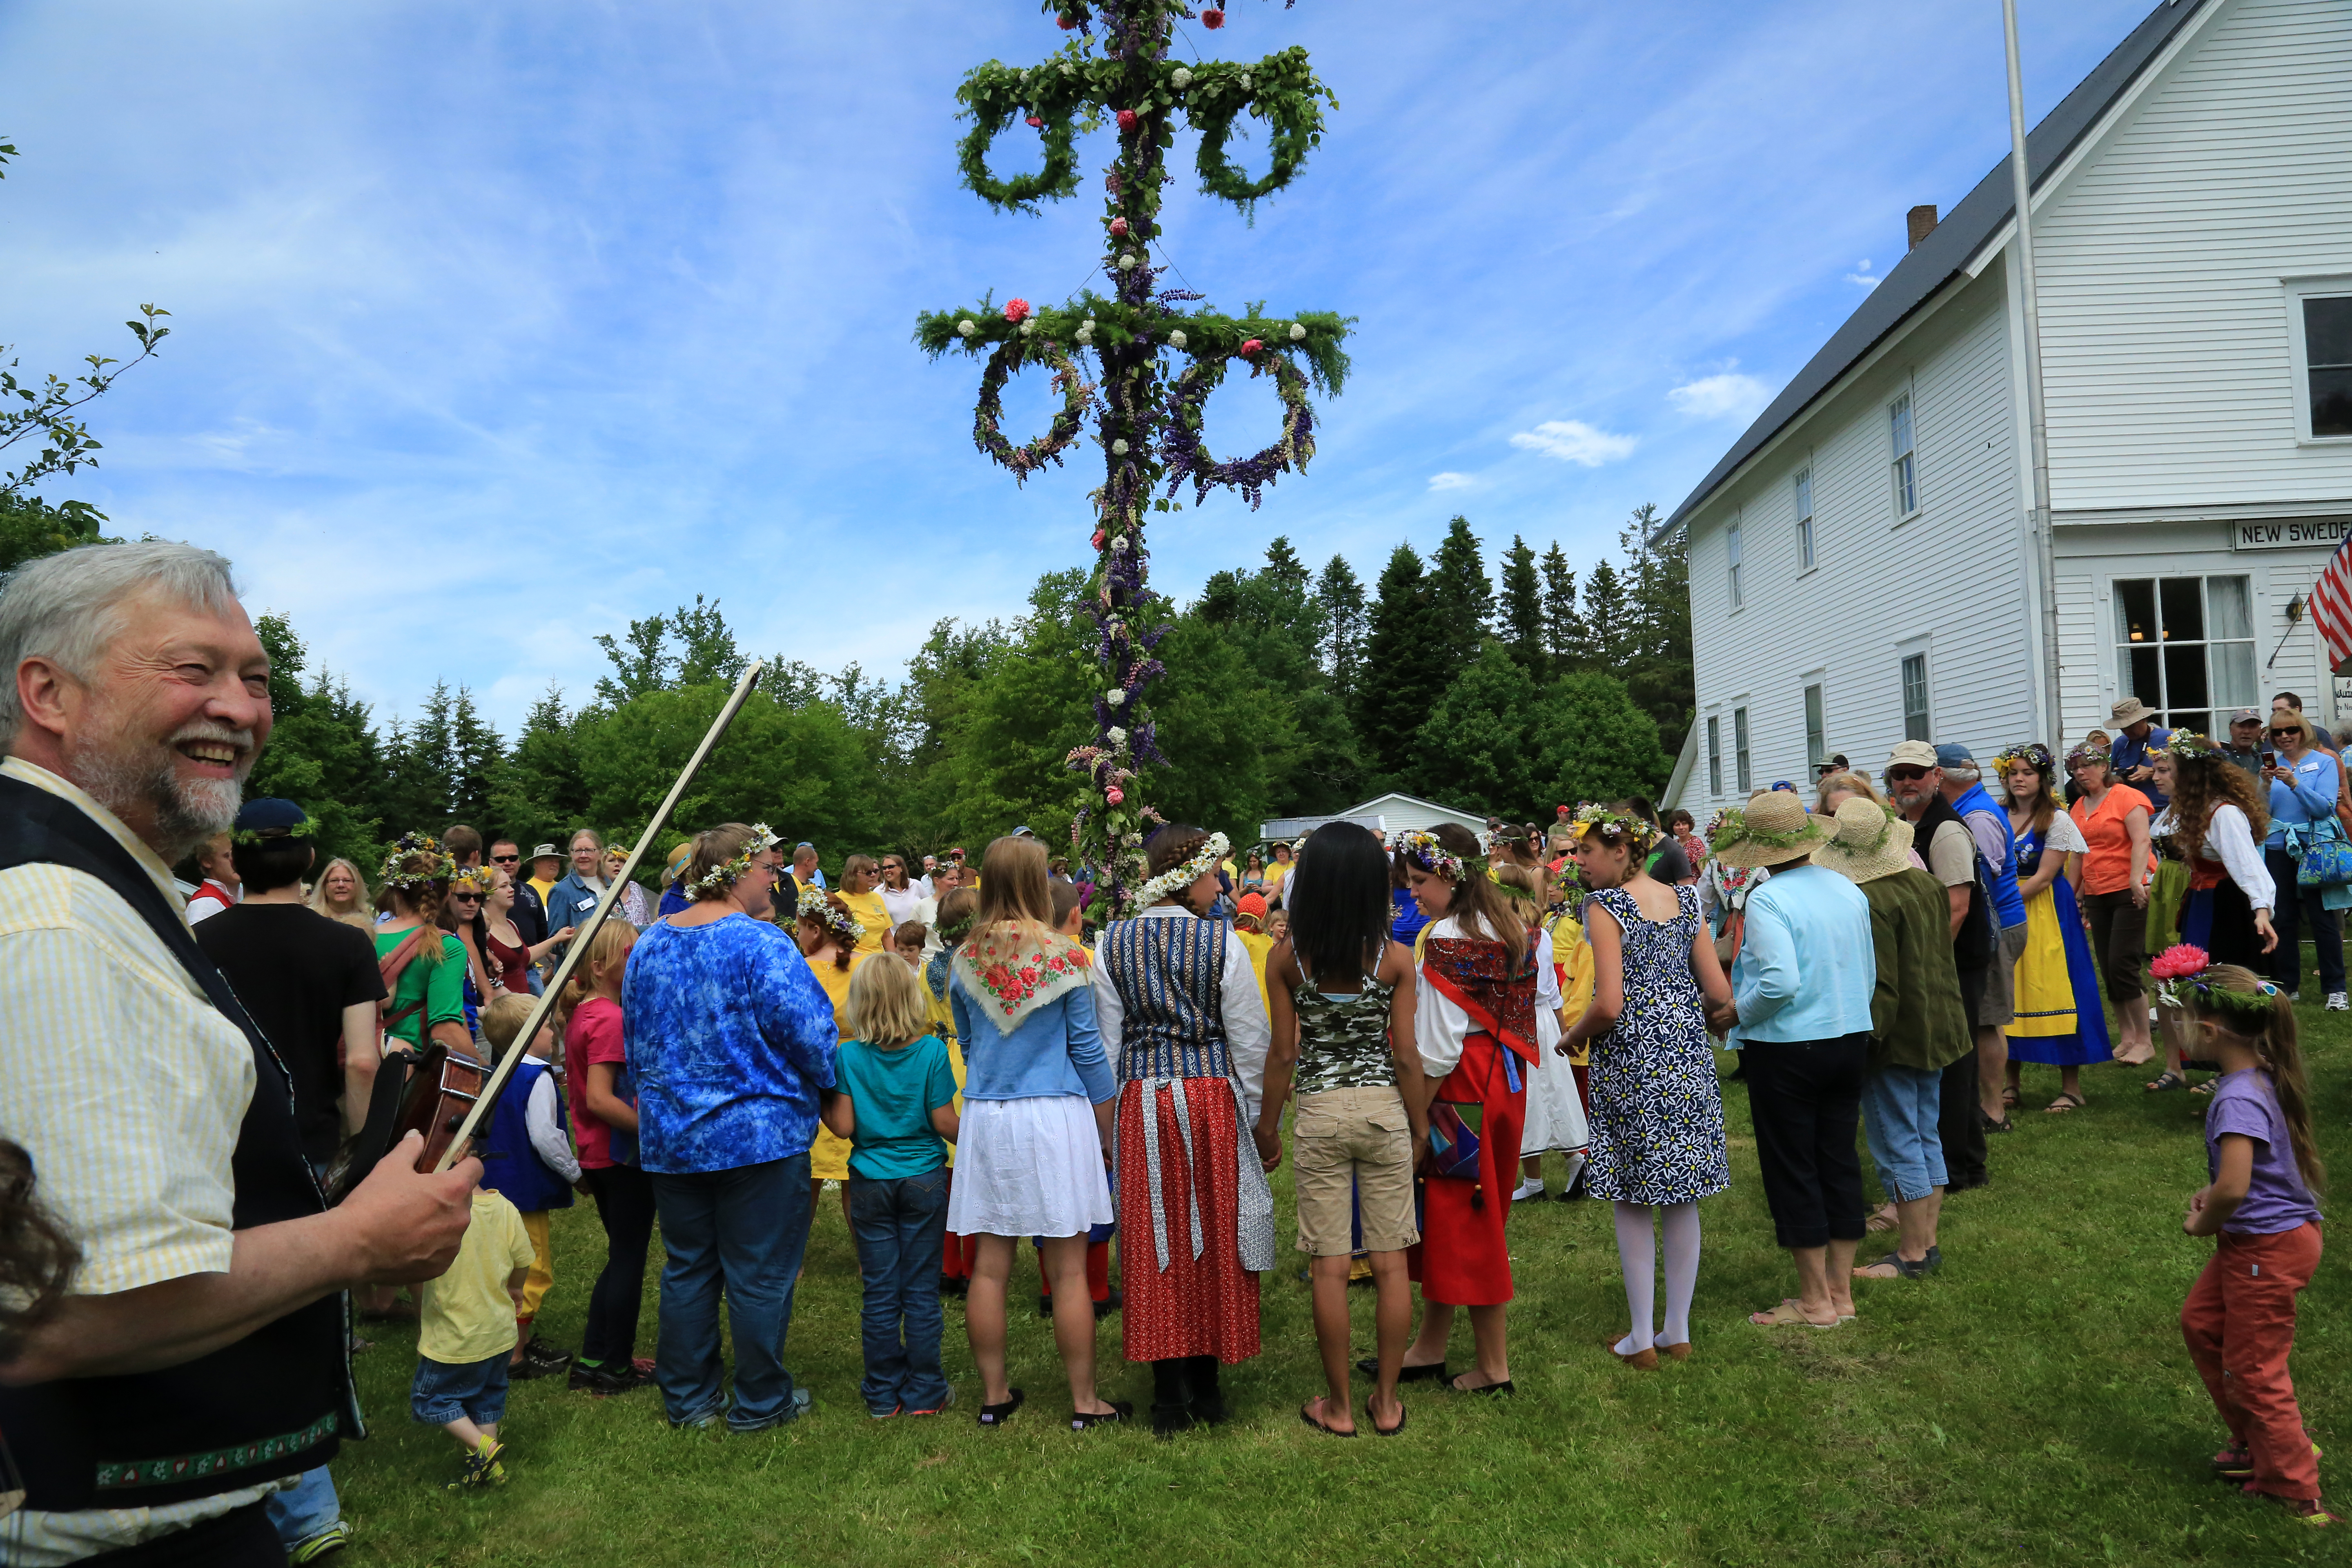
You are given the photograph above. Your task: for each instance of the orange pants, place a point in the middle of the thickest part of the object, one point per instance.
(2239, 1322)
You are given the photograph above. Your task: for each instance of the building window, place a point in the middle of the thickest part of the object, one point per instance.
(1739, 747)
(1906, 473)
(2328, 364)
(1805, 520)
(1714, 755)
(1731, 550)
(1914, 697)
(2185, 646)
(1817, 750)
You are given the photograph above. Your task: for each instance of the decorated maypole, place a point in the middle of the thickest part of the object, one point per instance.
(1136, 358)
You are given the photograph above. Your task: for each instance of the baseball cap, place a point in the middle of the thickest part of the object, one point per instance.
(1913, 754)
(1952, 755)
(2242, 716)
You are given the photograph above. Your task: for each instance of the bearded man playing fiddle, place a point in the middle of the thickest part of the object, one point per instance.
(198, 1362)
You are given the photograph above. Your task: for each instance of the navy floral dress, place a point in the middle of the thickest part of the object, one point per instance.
(1656, 1116)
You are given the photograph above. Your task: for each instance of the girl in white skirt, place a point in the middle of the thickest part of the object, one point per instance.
(1036, 1129)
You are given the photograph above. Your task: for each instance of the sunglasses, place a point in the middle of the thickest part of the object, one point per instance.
(2283, 734)
(1905, 775)
(465, 898)
(506, 860)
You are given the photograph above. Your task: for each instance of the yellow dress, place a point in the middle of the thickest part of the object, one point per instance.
(870, 911)
(829, 1156)
(1259, 946)
(1572, 952)
(941, 1018)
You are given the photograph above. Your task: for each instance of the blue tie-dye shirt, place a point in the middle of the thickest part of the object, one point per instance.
(729, 1038)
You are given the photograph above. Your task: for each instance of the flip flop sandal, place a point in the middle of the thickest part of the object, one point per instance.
(2167, 1079)
(2009, 1096)
(1505, 1387)
(2003, 1125)
(1323, 1427)
(1787, 1316)
(1880, 1223)
(1790, 1302)
(2065, 1102)
(2206, 1088)
(1379, 1431)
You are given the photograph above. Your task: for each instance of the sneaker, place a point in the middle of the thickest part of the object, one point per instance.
(798, 1406)
(482, 1470)
(2310, 1511)
(334, 1538)
(1532, 1187)
(947, 1404)
(606, 1380)
(2338, 1002)
(885, 1415)
(545, 1356)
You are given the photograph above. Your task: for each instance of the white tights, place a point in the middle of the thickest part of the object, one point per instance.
(1635, 1253)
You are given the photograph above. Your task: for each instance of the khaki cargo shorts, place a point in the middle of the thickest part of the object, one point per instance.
(1353, 1143)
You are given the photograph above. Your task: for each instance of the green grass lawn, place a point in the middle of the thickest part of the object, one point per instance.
(2030, 1404)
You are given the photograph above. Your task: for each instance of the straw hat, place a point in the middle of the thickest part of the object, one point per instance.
(1774, 828)
(1871, 842)
(2131, 710)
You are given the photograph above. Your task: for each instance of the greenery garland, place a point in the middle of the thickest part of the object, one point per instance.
(1187, 455)
(1279, 90)
(1730, 826)
(1078, 397)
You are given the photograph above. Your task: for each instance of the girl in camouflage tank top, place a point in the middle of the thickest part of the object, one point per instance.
(1343, 1041)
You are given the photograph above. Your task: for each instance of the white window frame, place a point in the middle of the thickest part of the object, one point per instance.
(1715, 756)
(1903, 654)
(1733, 552)
(1802, 485)
(1817, 724)
(2295, 291)
(1742, 737)
(1903, 468)
(2121, 647)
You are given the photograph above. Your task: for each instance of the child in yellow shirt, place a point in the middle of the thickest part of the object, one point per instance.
(466, 1330)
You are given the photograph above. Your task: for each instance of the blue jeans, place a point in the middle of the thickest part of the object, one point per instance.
(899, 1223)
(1900, 1107)
(473, 1390)
(745, 1229)
(305, 1510)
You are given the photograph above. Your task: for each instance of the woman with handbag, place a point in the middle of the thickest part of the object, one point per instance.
(1656, 1126)
(2217, 823)
(1475, 1027)
(1178, 1005)
(2308, 860)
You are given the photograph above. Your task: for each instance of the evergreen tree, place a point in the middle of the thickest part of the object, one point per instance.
(1566, 635)
(419, 767)
(477, 759)
(1523, 610)
(1407, 666)
(1659, 673)
(1607, 620)
(321, 754)
(1461, 594)
(543, 790)
(1283, 566)
(1587, 740)
(1341, 596)
(1472, 752)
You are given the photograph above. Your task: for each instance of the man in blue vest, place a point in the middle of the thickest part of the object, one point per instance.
(196, 1366)
(1988, 825)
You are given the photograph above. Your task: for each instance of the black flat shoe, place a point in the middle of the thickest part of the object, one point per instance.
(1112, 1303)
(1505, 1386)
(1120, 1410)
(1167, 1420)
(1433, 1372)
(997, 1415)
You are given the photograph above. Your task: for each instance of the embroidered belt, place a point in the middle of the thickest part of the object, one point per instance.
(126, 1474)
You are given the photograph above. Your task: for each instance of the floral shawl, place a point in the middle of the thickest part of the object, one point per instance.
(1016, 977)
(1471, 974)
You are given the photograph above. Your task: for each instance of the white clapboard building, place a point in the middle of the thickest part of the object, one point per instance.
(1861, 562)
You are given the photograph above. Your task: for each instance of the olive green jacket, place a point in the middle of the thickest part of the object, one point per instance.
(1916, 1017)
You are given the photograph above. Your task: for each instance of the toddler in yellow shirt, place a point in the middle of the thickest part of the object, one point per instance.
(466, 1330)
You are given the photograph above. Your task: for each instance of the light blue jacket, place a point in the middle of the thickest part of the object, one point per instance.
(1054, 1050)
(1807, 965)
(2311, 798)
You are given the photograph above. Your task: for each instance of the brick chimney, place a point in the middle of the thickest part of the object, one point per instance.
(1922, 223)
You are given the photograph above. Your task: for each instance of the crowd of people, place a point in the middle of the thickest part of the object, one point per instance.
(974, 1061)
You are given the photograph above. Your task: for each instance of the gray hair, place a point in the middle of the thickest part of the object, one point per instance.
(67, 608)
(1964, 773)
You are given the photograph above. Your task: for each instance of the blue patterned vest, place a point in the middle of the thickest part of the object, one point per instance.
(1170, 971)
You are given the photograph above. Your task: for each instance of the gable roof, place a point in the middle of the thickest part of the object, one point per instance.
(1944, 253)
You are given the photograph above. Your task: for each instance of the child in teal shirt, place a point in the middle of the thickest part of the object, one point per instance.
(895, 1101)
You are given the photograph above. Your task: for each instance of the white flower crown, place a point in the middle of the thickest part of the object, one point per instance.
(1424, 851)
(719, 879)
(844, 926)
(1209, 853)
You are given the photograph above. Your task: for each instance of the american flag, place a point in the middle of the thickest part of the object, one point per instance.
(2331, 605)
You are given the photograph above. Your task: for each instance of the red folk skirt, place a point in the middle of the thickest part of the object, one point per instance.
(1196, 1306)
(1462, 1259)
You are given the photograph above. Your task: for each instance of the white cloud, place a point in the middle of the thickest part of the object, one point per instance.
(1574, 441)
(1452, 481)
(1863, 274)
(1727, 395)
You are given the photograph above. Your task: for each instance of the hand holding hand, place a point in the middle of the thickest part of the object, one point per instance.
(1269, 1145)
(407, 1225)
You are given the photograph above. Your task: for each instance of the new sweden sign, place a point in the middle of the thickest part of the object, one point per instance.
(2290, 533)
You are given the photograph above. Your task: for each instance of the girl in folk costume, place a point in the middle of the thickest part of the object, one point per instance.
(2061, 1020)
(1036, 1132)
(1657, 1116)
(1475, 1026)
(1178, 1006)
(1555, 1113)
(2216, 822)
(829, 937)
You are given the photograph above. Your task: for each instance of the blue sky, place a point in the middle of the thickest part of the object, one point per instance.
(498, 325)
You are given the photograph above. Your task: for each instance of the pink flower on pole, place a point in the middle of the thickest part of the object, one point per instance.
(1016, 311)
(1127, 120)
(1119, 227)
(1115, 794)
(1036, 123)
(1253, 346)
(1213, 18)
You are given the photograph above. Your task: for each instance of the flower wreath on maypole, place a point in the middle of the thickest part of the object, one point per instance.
(1147, 411)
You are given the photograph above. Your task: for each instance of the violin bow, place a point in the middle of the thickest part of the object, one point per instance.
(577, 950)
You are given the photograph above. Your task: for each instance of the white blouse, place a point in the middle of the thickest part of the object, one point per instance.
(1441, 1029)
(2230, 838)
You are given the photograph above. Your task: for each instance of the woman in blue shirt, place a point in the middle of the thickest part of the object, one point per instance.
(2303, 791)
(730, 1039)
(1035, 1134)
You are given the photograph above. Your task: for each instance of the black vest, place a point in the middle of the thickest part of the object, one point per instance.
(272, 1404)
(1973, 947)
